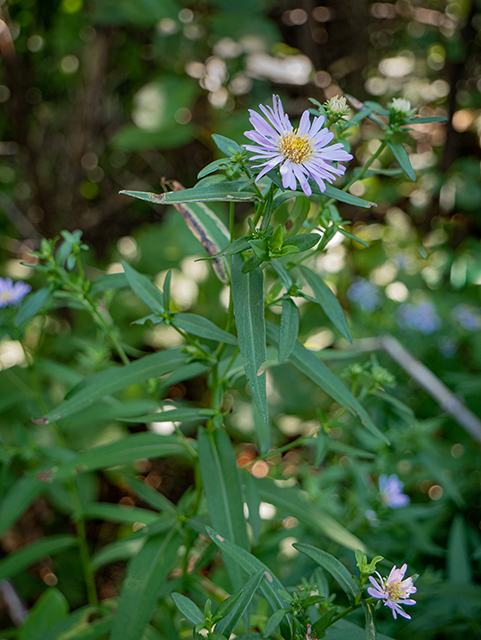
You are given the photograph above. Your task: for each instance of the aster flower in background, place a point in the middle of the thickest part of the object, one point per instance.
(392, 491)
(302, 153)
(11, 294)
(394, 590)
(420, 317)
(468, 317)
(364, 294)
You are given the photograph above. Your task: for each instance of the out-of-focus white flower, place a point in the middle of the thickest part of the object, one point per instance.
(394, 590)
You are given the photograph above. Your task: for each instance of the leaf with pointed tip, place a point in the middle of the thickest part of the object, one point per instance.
(108, 381)
(144, 289)
(313, 368)
(274, 621)
(248, 295)
(188, 608)
(202, 327)
(218, 467)
(109, 281)
(228, 191)
(345, 196)
(18, 499)
(146, 574)
(327, 301)
(33, 304)
(24, 557)
(228, 624)
(401, 155)
(331, 564)
(289, 329)
(226, 145)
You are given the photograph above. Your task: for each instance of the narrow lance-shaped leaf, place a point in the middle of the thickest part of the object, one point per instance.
(274, 621)
(49, 609)
(263, 430)
(328, 302)
(33, 304)
(248, 295)
(270, 587)
(306, 361)
(188, 608)
(174, 415)
(144, 289)
(331, 564)
(18, 499)
(110, 381)
(227, 625)
(218, 467)
(289, 329)
(146, 574)
(131, 448)
(19, 560)
(227, 191)
(209, 230)
(401, 155)
(202, 327)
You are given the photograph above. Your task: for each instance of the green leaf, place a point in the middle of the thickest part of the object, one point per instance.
(331, 564)
(188, 608)
(125, 451)
(218, 467)
(270, 586)
(248, 295)
(251, 495)
(401, 155)
(292, 502)
(118, 513)
(227, 625)
(274, 621)
(214, 166)
(120, 551)
(307, 363)
(304, 241)
(344, 630)
(289, 329)
(458, 563)
(222, 191)
(18, 499)
(49, 609)
(79, 626)
(109, 281)
(19, 560)
(202, 327)
(351, 236)
(250, 264)
(263, 430)
(426, 120)
(299, 213)
(110, 381)
(226, 145)
(146, 574)
(327, 301)
(149, 495)
(370, 626)
(210, 231)
(321, 625)
(239, 245)
(144, 289)
(175, 415)
(344, 196)
(32, 304)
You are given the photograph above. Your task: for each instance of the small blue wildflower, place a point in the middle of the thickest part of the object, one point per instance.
(364, 294)
(467, 317)
(420, 317)
(11, 294)
(448, 347)
(392, 491)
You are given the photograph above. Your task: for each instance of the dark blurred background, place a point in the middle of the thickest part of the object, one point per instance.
(104, 95)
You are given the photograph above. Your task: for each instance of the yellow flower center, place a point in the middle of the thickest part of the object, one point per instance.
(295, 147)
(6, 296)
(395, 592)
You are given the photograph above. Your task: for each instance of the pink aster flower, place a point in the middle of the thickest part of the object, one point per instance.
(302, 153)
(394, 590)
(11, 294)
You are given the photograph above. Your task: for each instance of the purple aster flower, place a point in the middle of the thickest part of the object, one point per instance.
(394, 590)
(420, 317)
(467, 317)
(392, 491)
(11, 294)
(302, 153)
(364, 294)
